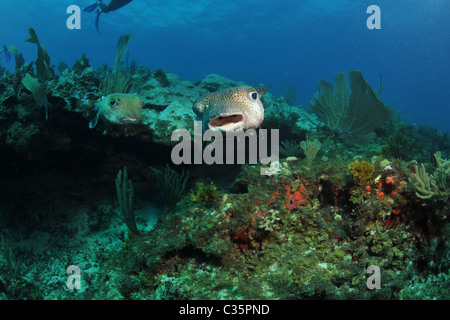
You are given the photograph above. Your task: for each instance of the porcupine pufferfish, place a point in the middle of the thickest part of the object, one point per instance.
(119, 108)
(231, 109)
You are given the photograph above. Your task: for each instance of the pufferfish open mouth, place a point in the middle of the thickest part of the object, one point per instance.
(129, 120)
(226, 122)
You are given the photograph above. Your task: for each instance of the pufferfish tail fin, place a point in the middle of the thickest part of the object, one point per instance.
(90, 99)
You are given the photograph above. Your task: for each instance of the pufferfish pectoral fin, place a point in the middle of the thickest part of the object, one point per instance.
(199, 108)
(94, 121)
(204, 118)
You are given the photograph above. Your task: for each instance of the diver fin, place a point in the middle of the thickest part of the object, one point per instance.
(103, 7)
(91, 7)
(97, 20)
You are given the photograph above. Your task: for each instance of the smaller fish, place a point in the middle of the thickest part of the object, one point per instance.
(7, 53)
(231, 109)
(119, 108)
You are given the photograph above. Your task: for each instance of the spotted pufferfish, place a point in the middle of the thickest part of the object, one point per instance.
(231, 109)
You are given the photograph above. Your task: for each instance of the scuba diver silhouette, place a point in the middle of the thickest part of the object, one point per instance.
(113, 5)
(7, 53)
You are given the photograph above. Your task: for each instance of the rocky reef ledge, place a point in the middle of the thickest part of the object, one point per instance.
(167, 98)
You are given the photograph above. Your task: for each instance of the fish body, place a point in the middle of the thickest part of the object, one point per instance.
(113, 5)
(231, 109)
(119, 108)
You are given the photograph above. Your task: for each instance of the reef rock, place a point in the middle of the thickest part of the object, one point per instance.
(167, 100)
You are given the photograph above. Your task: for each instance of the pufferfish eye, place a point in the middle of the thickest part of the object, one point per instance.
(112, 103)
(254, 95)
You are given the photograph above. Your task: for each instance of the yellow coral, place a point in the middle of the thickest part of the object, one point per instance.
(201, 193)
(432, 185)
(310, 148)
(361, 172)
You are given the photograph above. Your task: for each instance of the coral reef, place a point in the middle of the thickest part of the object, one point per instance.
(170, 184)
(202, 193)
(290, 148)
(125, 196)
(38, 91)
(310, 148)
(18, 57)
(435, 185)
(354, 114)
(361, 172)
(43, 69)
(115, 82)
(309, 231)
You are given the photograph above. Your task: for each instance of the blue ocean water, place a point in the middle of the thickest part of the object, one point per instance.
(293, 42)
